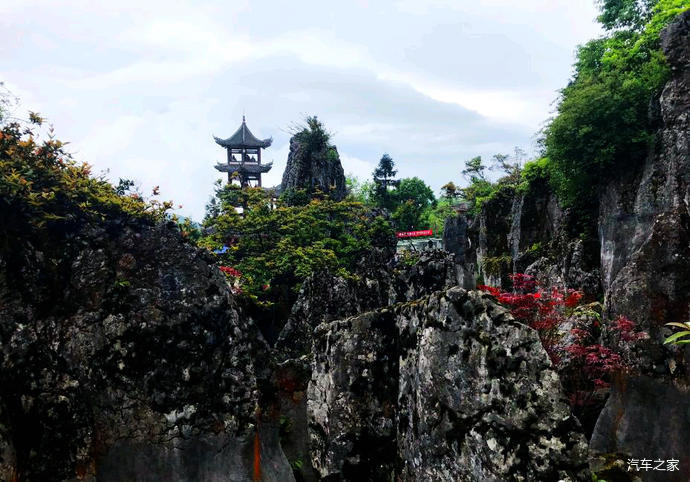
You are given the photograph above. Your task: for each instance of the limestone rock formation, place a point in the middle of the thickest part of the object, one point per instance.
(639, 264)
(448, 387)
(124, 358)
(645, 222)
(325, 297)
(645, 229)
(311, 169)
(643, 416)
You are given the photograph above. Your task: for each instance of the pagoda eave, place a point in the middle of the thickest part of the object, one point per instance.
(246, 168)
(247, 143)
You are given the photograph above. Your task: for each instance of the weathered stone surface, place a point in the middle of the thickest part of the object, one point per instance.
(380, 281)
(122, 350)
(434, 270)
(493, 252)
(311, 170)
(325, 297)
(448, 387)
(644, 226)
(536, 220)
(457, 241)
(643, 419)
(645, 222)
(352, 398)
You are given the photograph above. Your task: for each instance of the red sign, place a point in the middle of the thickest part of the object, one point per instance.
(414, 234)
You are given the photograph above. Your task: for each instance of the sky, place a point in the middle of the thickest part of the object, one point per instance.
(138, 88)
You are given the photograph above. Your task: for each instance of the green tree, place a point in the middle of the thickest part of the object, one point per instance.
(384, 180)
(434, 216)
(510, 166)
(277, 245)
(360, 191)
(625, 14)
(450, 190)
(410, 199)
(474, 169)
(479, 187)
(385, 172)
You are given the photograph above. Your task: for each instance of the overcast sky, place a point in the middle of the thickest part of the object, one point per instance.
(139, 87)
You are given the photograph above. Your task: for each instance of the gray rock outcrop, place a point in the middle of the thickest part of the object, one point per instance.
(124, 358)
(448, 387)
(310, 169)
(643, 418)
(645, 223)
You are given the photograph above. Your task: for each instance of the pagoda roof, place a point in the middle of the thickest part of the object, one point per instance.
(243, 137)
(248, 167)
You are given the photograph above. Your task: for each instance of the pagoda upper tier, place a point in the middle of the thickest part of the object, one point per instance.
(243, 164)
(243, 138)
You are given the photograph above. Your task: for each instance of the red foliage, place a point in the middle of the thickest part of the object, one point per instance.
(572, 299)
(588, 363)
(490, 289)
(230, 270)
(626, 328)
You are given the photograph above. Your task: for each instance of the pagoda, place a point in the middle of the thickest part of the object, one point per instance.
(244, 156)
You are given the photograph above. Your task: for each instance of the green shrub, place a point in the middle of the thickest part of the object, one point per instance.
(45, 194)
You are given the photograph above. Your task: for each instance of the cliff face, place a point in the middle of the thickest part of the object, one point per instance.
(639, 265)
(124, 358)
(645, 225)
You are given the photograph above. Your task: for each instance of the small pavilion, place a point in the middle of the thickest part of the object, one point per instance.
(244, 157)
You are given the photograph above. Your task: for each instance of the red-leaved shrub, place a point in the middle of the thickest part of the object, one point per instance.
(585, 364)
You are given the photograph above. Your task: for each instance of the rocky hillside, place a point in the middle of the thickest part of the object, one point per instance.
(135, 365)
(639, 265)
(126, 354)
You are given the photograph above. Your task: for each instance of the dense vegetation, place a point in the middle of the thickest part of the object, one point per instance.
(602, 125)
(410, 201)
(45, 194)
(267, 247)
(274, 246)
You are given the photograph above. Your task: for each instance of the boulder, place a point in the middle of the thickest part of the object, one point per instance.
(448, 387)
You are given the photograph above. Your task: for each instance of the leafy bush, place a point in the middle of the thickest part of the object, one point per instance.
(535, 173)
(275, 246)
(590, 364)
(45, 193)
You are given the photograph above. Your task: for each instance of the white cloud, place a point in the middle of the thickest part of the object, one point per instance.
(139, 87)
(359, 168)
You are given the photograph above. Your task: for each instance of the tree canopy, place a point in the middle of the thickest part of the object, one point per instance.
(602, 122)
